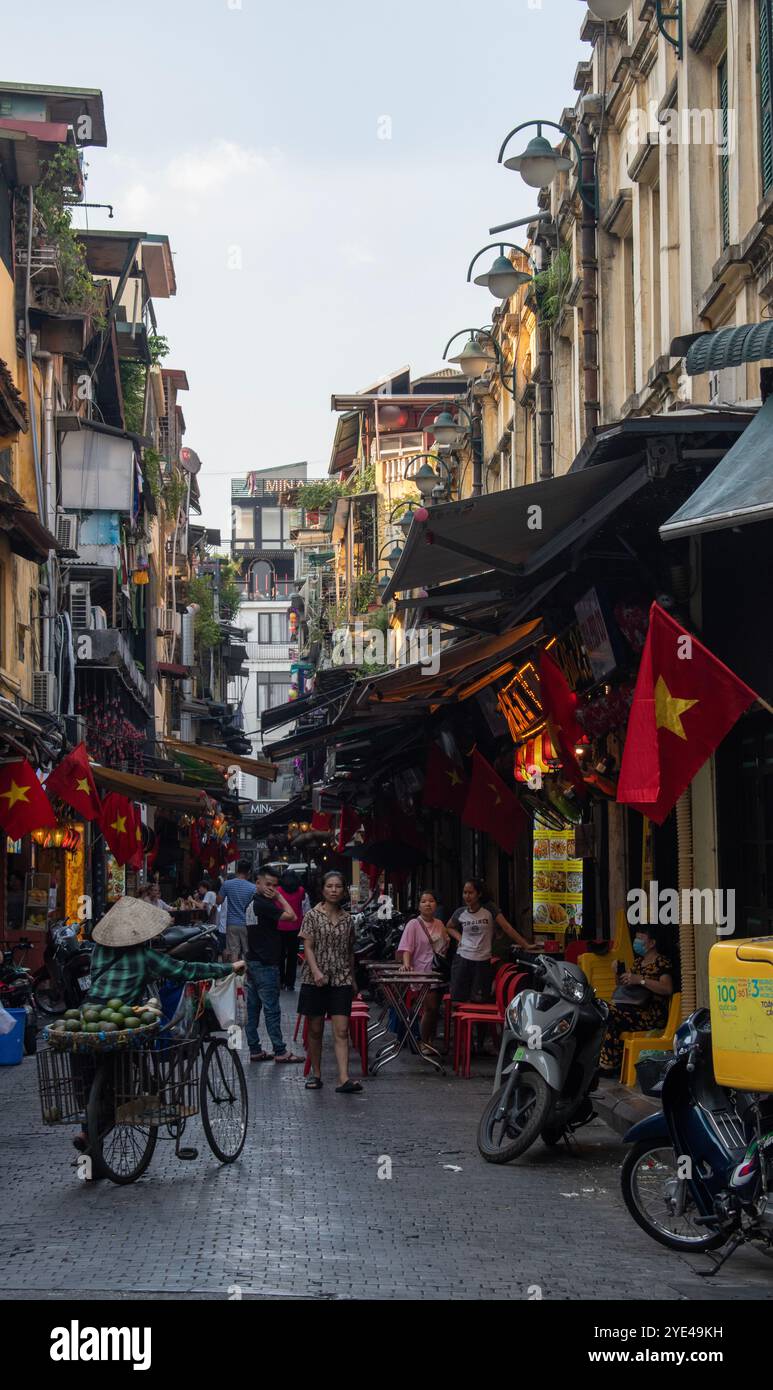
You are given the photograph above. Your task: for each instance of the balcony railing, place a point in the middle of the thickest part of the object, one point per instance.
(271, 651)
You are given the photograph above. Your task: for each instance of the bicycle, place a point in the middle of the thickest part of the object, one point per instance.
(130, 1095)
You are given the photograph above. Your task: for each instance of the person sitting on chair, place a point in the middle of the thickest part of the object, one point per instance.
(640, 1001)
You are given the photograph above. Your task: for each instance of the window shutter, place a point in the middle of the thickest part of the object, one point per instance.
(724, 182)
(766, 95)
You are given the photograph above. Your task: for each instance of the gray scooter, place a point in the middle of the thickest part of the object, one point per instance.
(548, 1061)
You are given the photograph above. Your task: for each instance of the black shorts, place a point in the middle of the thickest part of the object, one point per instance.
(317, 1001)
(471, 980)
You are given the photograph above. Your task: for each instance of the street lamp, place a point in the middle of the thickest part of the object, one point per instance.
(477, 355)
(447, 430)
(539, 163)
(432, 487)
(615, 9)
(608, 9)
(503, 278)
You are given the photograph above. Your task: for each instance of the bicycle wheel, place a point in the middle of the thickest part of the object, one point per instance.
(118, 1152)
(223, 1096)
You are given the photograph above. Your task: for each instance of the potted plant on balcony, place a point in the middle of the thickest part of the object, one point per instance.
(61, 281)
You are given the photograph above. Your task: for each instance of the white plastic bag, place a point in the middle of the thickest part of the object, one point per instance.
(7, 1022)
(222, 997)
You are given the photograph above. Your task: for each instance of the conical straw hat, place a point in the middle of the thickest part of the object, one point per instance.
(129, 922)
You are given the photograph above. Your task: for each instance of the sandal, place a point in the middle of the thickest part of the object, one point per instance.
(314, 1083)
(81, 1143)
(260, 1057)
(349, 1088)
(288, 1057)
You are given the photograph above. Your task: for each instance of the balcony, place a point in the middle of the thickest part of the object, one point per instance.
(258, 652)
(107, 649)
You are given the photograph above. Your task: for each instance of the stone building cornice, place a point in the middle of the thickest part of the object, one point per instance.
(704, 32)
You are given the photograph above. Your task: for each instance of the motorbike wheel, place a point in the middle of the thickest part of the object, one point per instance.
(48, 998)
(648, 1178)
(502, 1140)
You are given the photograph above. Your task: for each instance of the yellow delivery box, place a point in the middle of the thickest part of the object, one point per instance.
(741, 987)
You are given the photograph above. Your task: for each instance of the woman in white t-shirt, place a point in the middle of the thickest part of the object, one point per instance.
(473, 926)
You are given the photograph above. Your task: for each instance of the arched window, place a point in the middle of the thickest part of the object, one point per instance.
(261, 580)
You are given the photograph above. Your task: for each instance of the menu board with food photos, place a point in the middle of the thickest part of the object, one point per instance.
(556, 882)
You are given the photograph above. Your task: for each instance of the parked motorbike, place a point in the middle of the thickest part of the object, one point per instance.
(197, 942)
(376, 939)
(548, 1061)
(65, 978)
(699, 1174)
(17, 991)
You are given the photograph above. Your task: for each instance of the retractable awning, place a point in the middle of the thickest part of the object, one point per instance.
(223, 759)
(514, 532)
(724, 347)
(148, 789)
(740, 488)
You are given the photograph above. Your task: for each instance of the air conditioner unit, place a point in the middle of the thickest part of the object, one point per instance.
(67, 530)
(167, 622)
(80, 605)
(44, 691)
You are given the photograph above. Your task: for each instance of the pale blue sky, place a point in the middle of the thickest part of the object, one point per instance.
(250, 133)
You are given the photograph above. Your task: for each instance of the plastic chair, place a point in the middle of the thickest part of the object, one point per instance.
(449, 1005)
(600, 973)
(508, 984)
(636, 1043)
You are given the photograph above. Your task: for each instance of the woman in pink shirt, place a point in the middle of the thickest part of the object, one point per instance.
(424, 937)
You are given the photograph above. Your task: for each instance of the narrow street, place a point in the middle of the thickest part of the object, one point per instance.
(304, 1214)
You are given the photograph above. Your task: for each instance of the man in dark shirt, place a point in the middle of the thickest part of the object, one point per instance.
(262, 917)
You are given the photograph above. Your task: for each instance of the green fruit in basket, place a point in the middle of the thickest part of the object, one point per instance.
(108, 1027)
(93, 1028)
(72, 1025)
(115, 1004)
(106, 1015)
(132, 1022)
(73, 1013)
(148, 1019)
(92, 1015)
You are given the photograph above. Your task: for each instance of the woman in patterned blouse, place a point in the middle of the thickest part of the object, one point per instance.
(327, 982)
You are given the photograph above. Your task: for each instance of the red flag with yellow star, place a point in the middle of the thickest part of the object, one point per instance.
(685, 702)
(444, 785)
(73, 781)
(118, 827)
(492, 807)
(24, 805)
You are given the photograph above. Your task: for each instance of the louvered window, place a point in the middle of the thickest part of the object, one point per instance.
(724, 182)
(766, 95)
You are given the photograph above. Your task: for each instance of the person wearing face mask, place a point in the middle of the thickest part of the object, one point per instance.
(640, 1001)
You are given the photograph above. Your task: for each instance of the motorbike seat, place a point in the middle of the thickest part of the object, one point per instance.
(175, 936)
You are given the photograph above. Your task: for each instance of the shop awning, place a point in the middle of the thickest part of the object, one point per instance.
(223, 759)
(173, 670)
(514, 532)
(149, 789)
(724, 347)
(459, 667)
(740, 488)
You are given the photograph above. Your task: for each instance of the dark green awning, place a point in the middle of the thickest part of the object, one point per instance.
(740, 488)
(725, 347)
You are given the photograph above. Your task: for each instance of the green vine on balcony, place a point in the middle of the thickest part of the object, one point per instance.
(134, 380)
(52, 227)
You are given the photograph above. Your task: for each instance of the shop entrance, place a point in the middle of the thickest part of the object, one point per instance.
(745, 801)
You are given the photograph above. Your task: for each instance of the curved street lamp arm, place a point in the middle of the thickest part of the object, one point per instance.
(454, 406)
(486, 332)
(498, 246)
(662, 18)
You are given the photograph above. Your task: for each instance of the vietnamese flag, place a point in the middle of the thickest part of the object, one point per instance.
(559, 704)
(73, 781)
(444, 785)
(138, 855)
(119, 827)
(24, 805)
(684, 703)
(492, 807)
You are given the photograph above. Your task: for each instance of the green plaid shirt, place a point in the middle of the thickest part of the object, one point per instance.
(121, 972)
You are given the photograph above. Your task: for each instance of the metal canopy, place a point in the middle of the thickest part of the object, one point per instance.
(514, 532)
(740, 488)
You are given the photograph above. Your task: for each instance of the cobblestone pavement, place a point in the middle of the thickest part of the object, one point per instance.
(304, 1214)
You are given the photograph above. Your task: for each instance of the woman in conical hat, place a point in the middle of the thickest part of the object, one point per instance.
(124, 961)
